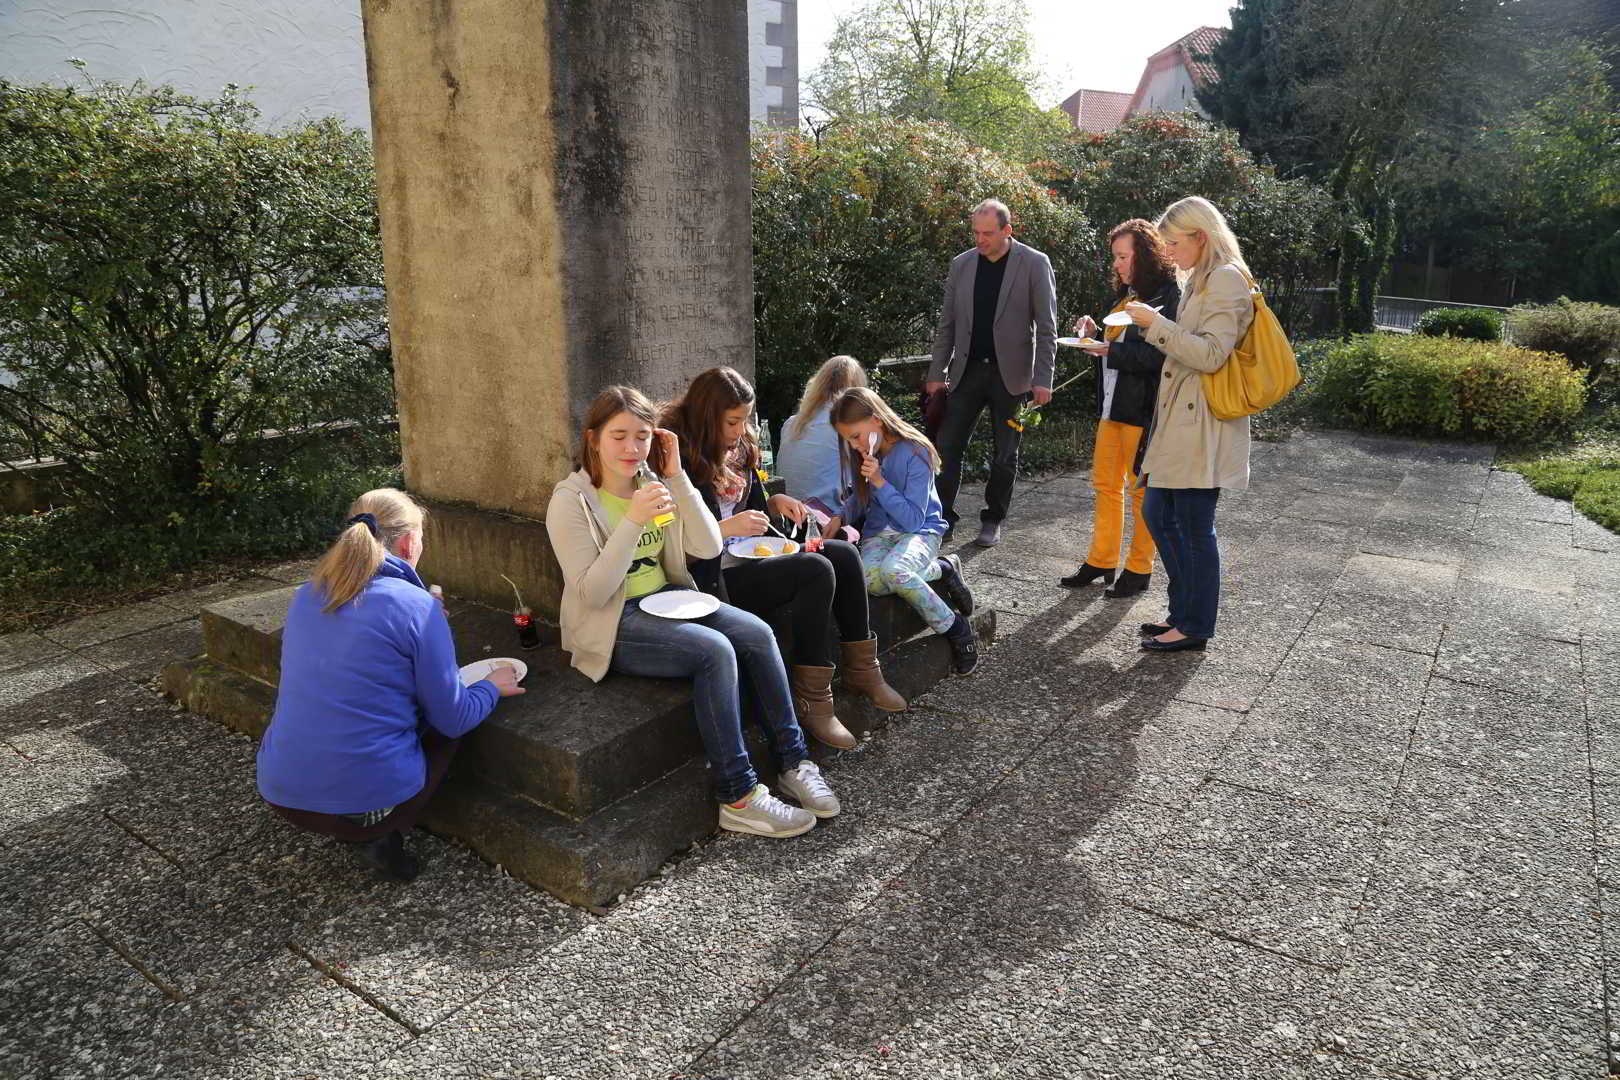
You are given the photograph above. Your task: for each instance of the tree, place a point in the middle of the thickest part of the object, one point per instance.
(961, 62)
(173, 281)
(854, 231)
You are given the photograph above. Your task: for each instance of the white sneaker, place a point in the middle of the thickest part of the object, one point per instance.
(763, 814)
(805, 783)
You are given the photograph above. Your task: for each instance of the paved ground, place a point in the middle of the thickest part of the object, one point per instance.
(1370, 834)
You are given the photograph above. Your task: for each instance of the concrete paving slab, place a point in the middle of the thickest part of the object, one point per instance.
(192, 601)
(292, 572)
(928, 768)
(1275, 872)
(281, 1018)
(1337, 758)
(113, 623)
(94, 696)
(1539, 669)
(1553, 571)
(1369, 574)
(192, 811)
(1590, 536)
(425, 951)
(1549, 811)
(1355, 510)
(1164, 749)
(1474, 959)
(1487, 610)
(1207, 678)
(1018, 685)
(27, 649)
(32, 687)
(141, 657)
(71, 1005)
(1410, 623)
(1497, 732)
(1443, 544)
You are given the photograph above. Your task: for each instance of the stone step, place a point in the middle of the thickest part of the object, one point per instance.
(579, 788)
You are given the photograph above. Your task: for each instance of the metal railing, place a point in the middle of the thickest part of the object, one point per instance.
(1401, 313)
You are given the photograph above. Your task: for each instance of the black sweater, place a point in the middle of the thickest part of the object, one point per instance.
(1138, 365)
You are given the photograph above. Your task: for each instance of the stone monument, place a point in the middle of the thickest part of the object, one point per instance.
(564, 189)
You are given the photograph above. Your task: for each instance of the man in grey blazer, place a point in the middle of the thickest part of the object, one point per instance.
(995, 346)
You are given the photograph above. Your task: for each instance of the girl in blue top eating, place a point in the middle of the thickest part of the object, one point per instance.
(897, 509)
(370, 707)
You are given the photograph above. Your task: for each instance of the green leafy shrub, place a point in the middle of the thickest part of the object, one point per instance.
(1141, 167)
(1585, 334)
(854, 233)
(174, 281)
(1445, 387)
(1472, 324)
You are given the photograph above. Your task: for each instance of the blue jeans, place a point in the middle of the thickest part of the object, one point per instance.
(712, 652)
(1182, 522)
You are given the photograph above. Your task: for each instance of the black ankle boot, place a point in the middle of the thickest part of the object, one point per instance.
(1129, 584)
(1085, 576)
(392, 861)
(964, 646)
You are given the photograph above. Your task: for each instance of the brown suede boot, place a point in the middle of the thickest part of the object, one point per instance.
(863, 675)
(812, 700)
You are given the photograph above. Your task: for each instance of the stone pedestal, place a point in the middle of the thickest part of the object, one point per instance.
(564, 193)
(581, 788)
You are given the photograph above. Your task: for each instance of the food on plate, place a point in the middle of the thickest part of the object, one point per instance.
(764, 550)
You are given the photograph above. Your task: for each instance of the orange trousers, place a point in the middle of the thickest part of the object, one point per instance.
(1111, 476)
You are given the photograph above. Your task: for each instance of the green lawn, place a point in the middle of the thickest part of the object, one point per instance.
(1587, 472)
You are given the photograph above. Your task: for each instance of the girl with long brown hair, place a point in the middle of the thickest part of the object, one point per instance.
(818, 587)
(1128, 368)
(896, 506)
(370, 706)
(620, 539)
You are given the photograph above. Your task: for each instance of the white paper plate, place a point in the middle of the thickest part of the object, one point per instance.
(1078, 342)
(679, 604)
(480, 669)
(746, 547)
(1117, 318)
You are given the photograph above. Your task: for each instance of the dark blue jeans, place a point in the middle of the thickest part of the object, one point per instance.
(713, 652)
(1182, 522)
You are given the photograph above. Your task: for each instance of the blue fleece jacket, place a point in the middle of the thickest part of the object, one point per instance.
(353, 682)
(907, 502)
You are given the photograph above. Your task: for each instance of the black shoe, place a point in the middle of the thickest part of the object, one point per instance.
(989, 534)
(1186, 644)
(957, 594)
(1154, 629)
(1085, 576)
(1129, 584)
(391, 859)
(964, 646)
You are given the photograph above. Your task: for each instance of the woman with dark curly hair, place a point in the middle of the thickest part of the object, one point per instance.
(1127, 387)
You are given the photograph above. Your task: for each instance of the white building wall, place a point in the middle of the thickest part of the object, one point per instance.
(1170, 90)
(303, 58)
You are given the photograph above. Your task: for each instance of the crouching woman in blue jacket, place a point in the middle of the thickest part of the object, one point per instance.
(371, 707)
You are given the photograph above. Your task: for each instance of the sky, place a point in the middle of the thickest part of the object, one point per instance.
(1079, 44)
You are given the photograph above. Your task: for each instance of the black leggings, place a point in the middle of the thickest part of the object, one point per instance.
(814, 584)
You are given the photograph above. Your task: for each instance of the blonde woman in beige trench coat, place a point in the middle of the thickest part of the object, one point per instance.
(1191, 455)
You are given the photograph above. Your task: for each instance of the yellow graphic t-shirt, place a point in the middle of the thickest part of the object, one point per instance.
(647, 571)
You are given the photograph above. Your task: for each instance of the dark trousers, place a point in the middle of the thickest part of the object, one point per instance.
(436, 747)
(979, 386)
(809, 584)
(1182, 521)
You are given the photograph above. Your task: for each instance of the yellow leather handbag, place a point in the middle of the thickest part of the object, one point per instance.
(1260, 372)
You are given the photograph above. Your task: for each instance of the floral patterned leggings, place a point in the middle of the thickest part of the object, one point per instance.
(905, 563)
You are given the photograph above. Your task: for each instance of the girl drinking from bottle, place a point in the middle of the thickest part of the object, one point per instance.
(602, 528)
(896, 507)
(819, 587)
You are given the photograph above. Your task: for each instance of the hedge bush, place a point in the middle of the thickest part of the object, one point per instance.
(1472, 324)
(854, 232)
(1585, 334)
(1416, 385)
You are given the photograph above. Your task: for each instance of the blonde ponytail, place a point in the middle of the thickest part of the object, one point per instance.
(830, 380)
(352, 561)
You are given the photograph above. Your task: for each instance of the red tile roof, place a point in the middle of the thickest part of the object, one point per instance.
(1099, 111)
(1200, 43)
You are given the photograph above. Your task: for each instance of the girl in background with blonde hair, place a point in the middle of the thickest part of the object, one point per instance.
(370, 707)
(809, 457)
(1191, 455)
(894, 503)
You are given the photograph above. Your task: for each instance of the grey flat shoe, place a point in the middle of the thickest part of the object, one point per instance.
(989, 534)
